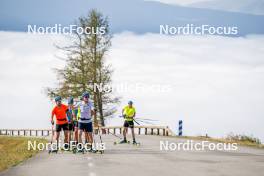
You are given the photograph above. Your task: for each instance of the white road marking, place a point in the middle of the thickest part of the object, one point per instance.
(90, 164)
(92, 174)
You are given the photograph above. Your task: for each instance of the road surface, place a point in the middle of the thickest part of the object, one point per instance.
(145, 160)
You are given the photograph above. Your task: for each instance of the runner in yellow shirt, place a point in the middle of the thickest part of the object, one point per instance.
(129, 112)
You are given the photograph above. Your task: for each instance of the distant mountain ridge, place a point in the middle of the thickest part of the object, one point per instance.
(244, 6)
(137, 16)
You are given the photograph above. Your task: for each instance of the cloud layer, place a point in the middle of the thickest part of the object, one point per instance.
(216, 82)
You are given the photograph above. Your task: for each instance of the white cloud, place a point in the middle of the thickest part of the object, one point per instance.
(26, 63)
(242, 6)
(217, 85)
(180, 2)
(217, 81)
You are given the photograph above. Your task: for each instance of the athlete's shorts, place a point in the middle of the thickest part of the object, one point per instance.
(129, 124)
(65, 127)
(75, 124)
(87, 127)
(71, 127)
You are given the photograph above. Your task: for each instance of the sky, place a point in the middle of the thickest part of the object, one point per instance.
(243, 6)
(138, 18)
(180, 2)
(216, 83)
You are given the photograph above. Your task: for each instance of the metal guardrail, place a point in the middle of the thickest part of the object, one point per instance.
(145, 130)
(140, 130)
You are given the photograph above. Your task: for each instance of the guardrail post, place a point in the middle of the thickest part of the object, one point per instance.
(120, 130)
(180, 127)
(114, 131)
(139, 131)
(30, 133)
(158, 131)
(151, 131)
(12, 133)
(18, 133)
(146, 131)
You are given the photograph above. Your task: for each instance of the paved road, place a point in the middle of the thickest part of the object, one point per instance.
(146, 160)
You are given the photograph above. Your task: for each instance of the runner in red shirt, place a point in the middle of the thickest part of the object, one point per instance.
(60, 111)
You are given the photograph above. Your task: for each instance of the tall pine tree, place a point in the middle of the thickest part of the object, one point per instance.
(86, 66)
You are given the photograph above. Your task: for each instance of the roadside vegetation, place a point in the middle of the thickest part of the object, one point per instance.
(14, 150)
(243, 140)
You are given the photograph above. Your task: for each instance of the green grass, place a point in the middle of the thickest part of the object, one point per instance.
(14, 150)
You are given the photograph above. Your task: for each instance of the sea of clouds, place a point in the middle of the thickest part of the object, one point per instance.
(217, 82)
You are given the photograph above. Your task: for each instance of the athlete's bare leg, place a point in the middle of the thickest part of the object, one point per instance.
(90, 137)
(133, 134)
(76, 134)
(125, 132)
(80, 136)
(69, 135)
(57, 134)
(66, 132)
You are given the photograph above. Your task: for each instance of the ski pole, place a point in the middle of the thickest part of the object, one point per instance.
(93, 140)
(95, 110)
(133, 119)
(52, 133)
(99, 134)
(115, 135)
(145, 122)
(147, 119)
(136, 122)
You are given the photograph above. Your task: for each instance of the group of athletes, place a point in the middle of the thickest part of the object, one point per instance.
(77, 119)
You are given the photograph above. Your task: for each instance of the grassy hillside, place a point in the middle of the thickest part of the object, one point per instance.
(13, 150)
